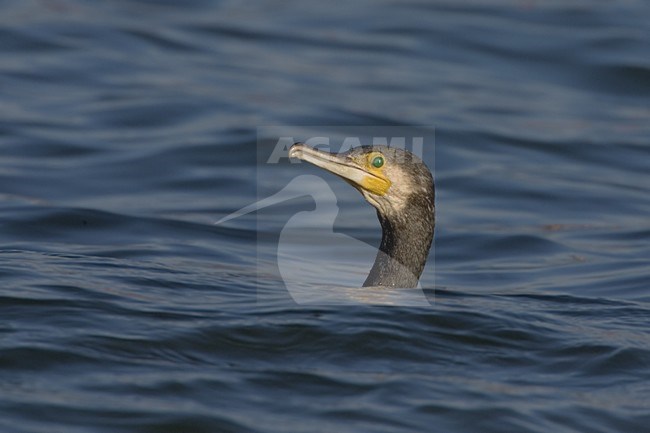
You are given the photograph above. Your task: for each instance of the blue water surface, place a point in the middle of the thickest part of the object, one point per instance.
(127, 128)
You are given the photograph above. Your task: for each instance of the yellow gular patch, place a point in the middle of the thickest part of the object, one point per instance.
(376, 184)
(376, 181)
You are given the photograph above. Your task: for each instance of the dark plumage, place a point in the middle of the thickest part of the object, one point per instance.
(400, 186)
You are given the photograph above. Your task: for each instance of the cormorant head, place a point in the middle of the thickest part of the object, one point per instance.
(400, 187)
(389, 178)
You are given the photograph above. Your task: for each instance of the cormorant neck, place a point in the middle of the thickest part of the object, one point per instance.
(405, 243)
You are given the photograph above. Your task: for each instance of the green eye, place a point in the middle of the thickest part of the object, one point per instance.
(378, 161)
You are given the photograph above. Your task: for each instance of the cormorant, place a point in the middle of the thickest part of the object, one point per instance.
(400, 186)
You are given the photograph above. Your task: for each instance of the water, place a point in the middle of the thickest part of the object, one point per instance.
(128, 127)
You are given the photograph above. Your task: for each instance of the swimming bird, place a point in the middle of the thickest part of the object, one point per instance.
(400, 187)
